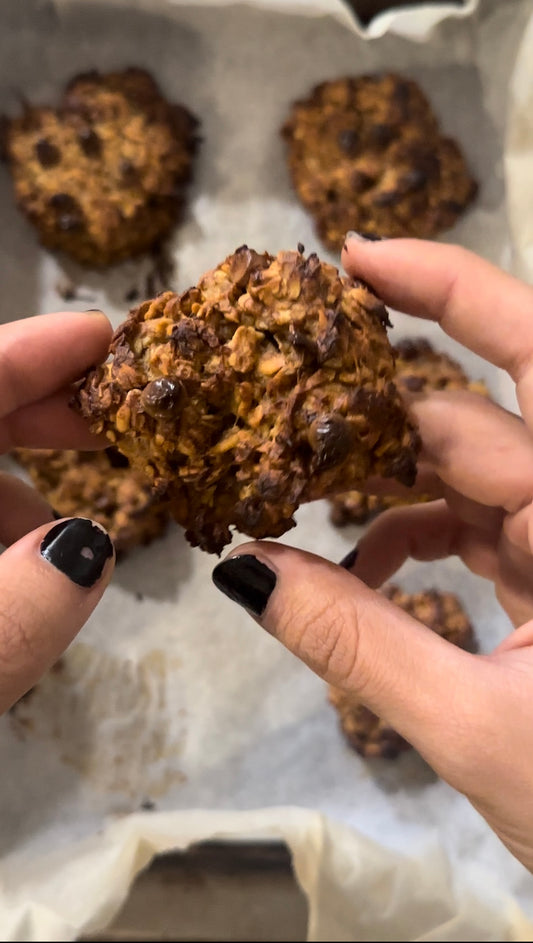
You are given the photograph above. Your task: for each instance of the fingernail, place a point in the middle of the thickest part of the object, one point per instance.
(93, 311)
(363, 236)
(246, 581)
(348, 561)
(79, 548)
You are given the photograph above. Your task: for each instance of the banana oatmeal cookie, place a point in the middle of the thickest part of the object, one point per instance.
(102, 177)
(268, 384)
(418, 368)
(365, 732)
(366, 153)
(99, 485)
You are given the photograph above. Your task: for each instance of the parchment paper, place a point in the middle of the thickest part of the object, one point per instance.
(172, 694)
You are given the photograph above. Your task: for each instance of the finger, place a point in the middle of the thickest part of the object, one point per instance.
(23, 509)
(422, 532)
(427, 483)
(51, 580)
(356, 639)
(476, 447)
(515, 585)
(48, 424)
(43, 354)
(473, 301)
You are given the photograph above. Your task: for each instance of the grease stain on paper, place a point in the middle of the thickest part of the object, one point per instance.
(110, 718)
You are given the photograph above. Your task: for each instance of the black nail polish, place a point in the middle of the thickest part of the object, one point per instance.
(79, 548)
(348, 561)
(371, 236)
(363, 236)
(247, 581)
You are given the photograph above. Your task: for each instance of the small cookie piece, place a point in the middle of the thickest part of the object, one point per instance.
(367, 154)
(365, 732)
(419, 367)
(267, 385)
(102, 177)
(101, 486)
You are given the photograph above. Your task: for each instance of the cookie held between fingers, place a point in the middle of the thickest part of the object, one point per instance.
(368, 734)
(366, 153)
(103, 176)
(268, 384)
(419, 368)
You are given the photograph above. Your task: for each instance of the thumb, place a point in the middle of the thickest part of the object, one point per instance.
(356, 639)
(50, 582)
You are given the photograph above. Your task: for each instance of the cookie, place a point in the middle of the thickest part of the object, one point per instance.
(101, 486)
(102, 177)
(368, 734)
(268, 384)
(367, 154)
(418, 368)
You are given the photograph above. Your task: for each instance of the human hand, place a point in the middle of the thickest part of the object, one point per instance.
(470, 716)
(52, 574)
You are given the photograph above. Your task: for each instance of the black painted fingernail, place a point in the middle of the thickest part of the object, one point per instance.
(348, 561)
(363, 236)
(247, 581)
(79, 548)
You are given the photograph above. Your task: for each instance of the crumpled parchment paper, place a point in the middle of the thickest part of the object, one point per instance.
(171, 693)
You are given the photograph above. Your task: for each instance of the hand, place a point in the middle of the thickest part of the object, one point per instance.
(52, 574)
(470, 716)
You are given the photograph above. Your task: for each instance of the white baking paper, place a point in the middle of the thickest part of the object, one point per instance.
(172, 694)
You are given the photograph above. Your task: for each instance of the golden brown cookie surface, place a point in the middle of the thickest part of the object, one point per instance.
(101, 486)
(368, 734)
(102, 177)
(367, 154)
(419, 367)
(267, 385)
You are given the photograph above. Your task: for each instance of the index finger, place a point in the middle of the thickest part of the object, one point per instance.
(476, 303)
(44, 354)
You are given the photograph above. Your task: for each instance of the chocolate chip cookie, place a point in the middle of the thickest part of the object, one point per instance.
(367, 154)
(268, 384)
(365, 732)
(101, 486)
(102, 177)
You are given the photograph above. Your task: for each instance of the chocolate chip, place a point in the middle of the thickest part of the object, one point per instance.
(348, 140)
(302, 341)
(409, 349)
(47, 153)
(161, 398)
(361, 181)
(331, 439)
(70, 215)
(90, 143)
(63, 201)
(127, 171)
(413, 383)
(387, 198)
(413, 180)
(301, 248)
(381, 134)
(116, 459)
(68, 223)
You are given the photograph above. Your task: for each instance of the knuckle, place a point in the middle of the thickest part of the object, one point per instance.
(18, 647)
(324, 636)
